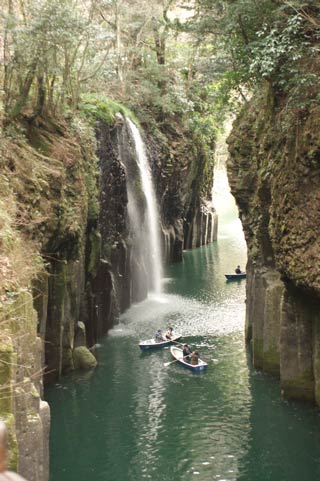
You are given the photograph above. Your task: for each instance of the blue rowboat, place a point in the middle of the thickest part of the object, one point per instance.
(231, 277)
(152, 344)
(178, 355)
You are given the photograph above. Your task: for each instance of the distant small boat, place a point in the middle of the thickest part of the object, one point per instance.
(231, 277)
(178, 355)
(152, 344)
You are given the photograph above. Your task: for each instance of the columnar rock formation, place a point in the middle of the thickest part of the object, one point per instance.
(26, 415)
(183, 171)
(274, 173)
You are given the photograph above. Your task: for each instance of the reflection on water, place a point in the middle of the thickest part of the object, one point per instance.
(134, 419)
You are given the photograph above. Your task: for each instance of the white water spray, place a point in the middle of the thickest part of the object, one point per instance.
(152, 216)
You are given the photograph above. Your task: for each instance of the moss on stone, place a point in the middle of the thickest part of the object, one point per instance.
(8, 360)
(257, 352)
(59, 287)
(271, 361)
(102, 108)
(22, 314)
(67, 364)
(301, 387)
(95, 252)
(83, 358)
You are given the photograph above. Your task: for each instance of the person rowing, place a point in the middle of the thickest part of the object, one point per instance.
(169, 333)
(158, 337)
(238, 270)
(194, 358)
(186, 352)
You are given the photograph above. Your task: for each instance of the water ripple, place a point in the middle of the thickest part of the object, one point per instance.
(133, 419)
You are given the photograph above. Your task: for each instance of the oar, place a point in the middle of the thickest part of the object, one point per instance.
(180, 343)
(176, 342)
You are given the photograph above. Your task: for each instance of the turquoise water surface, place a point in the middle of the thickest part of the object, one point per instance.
(134, 419)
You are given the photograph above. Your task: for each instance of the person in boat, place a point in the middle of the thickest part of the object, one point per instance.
(194, 358)
(158, 337)
(238, 270)
(186, 352)
(169, 333)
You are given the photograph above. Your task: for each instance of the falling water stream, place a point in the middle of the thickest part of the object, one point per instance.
(133, 419)
(152, 232)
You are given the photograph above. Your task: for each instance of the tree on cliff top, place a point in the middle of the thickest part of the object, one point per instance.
(193, 59)
(261, 41)
(50, 50)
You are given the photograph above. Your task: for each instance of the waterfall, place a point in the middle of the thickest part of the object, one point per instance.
(167, 246)
(151, 236)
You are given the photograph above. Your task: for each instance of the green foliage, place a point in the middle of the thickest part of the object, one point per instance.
(252, 42)
(164, 60)
(101, 108)
(52, 48)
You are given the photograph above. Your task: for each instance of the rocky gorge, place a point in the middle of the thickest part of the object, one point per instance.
(110, 117)
(70, 196)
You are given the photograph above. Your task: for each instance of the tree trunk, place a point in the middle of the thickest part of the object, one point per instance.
(23, 95)
(40, 98)
(118, 43)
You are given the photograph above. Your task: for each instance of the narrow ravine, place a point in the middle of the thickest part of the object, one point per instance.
(134, 419)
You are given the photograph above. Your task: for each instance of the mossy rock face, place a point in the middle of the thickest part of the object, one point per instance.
(12, 444)
(99, 107)
(301, 387)
(257, 353)
(271, 361)
(83, 359)
(95, 252)
(274, 175)
(183, 168)
(7, 374)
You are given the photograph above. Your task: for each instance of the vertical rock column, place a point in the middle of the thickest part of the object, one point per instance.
(55, 320)
(316, 355)
(26, 415)
(263, 317)
(296, 364)
(274, 289)
(8, 357)
(255, 310)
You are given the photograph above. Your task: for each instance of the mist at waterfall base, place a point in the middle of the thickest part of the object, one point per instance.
(133, 419)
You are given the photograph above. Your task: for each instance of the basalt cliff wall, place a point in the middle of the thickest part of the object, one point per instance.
(183, 172)
(67, 266)
(274, 173)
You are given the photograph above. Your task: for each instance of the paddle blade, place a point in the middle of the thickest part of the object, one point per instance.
(166, 364)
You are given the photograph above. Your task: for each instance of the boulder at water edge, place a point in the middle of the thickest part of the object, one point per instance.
(83, 358)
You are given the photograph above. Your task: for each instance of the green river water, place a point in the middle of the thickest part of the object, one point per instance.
(133, 419)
